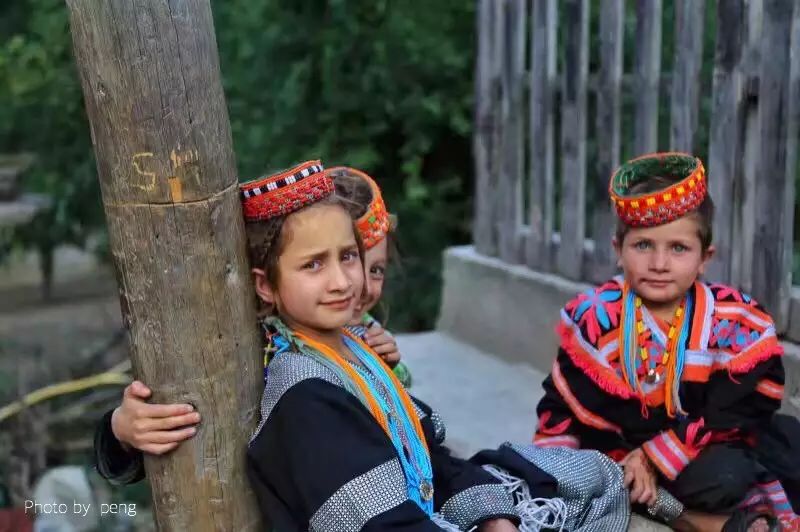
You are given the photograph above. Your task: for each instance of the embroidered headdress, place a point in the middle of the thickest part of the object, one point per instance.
(661, 206)
(376, 222)
(285, 192)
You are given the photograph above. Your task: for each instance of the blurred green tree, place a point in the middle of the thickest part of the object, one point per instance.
(42, 112)
(383, 86)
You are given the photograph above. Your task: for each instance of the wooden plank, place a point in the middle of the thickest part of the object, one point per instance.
(793, 127)
(513, 79)
(647, 69)
(724, 155)
(483, 225)
(573, 137)
(499, 90)
(166, 167)
(607, 125)
(744, 195)
(689, 33)
(543, 84)
(774, 203)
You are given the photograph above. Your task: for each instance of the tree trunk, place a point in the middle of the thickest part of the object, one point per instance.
(150, 76)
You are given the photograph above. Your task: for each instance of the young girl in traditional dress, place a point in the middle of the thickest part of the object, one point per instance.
(676, 378)
(341, 445)
(136, 426)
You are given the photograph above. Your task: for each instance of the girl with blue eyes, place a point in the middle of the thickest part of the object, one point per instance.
(677, 379)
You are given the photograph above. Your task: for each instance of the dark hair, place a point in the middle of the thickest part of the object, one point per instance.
(265, 242)
(356, 193)
(704, 213)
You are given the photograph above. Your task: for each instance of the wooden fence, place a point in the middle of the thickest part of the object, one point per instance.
(540, 200)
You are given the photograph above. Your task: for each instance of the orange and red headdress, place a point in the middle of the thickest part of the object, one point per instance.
(376, 222)
(285, 192)
(661, 206)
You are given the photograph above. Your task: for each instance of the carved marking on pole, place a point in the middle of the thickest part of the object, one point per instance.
(150, 175)
(185, 165)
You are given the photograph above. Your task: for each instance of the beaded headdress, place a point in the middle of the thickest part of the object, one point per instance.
(374, 224)
(661, 206)
(285, 192)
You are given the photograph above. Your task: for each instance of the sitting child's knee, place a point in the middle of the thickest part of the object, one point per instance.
(718, 479)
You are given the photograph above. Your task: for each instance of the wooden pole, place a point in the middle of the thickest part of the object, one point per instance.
(573, 138)
(608, 134)
(648, 73)
(485, 122)
(543, 84)
(150, 76)
(725, 161)
(774, 201)
(689, 32)
(512, 78)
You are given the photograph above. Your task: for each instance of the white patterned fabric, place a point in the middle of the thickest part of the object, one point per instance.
(366, 496)
(589, 483)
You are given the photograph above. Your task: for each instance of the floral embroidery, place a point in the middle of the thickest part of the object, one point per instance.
(597, 310)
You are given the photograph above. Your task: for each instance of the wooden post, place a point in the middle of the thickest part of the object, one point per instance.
(483, 229)
(774, 204)
(513, 77)
(745, 194)
(573, 138)
(543, 81)
(151, 82)
(609, 108)
(499, 102)
(689, 32)
(648, 73)
(724, 154)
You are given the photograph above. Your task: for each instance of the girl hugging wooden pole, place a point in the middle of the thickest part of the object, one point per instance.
(151, 82)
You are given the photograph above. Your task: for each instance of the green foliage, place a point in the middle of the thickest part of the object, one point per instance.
(382, 86)
(43, 113)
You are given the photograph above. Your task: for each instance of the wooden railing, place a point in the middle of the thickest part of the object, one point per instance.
(548, 137)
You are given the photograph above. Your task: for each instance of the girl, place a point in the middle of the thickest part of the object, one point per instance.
(340, 446)
(677, 379)
(157, 429)
(376, 227)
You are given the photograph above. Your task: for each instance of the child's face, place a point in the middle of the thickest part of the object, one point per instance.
(661, 263)
(375, 261)
(320, 276)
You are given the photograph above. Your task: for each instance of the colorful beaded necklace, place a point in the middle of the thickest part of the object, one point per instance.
(395, 412)
(634, 334)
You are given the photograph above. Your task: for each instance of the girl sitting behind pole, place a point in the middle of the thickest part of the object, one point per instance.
(376, 227)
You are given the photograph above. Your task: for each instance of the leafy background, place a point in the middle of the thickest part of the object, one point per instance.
(383, 86)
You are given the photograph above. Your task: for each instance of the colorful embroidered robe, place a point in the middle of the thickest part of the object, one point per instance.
(732, 381)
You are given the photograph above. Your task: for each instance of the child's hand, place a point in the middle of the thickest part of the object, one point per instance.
(154, 429)
(383, 344)
(640, 477)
